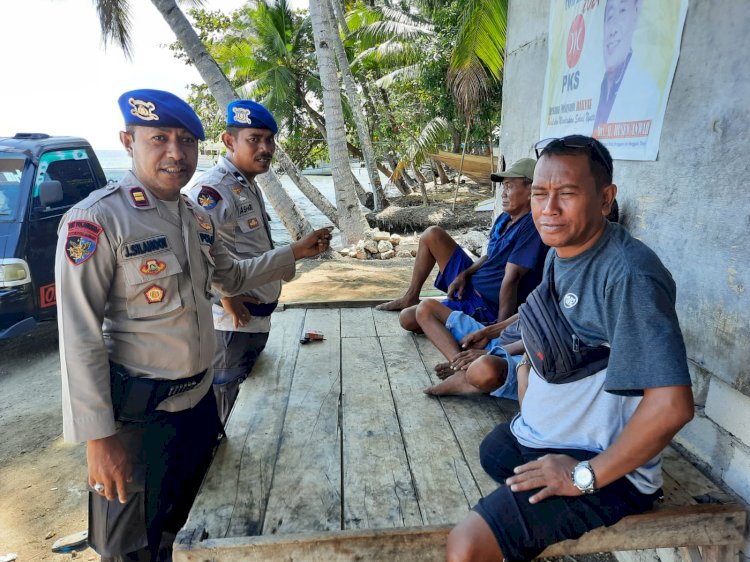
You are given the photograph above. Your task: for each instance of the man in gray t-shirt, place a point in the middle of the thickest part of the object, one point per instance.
(586, 453)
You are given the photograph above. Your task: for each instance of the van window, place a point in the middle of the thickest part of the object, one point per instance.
(72, 169)
(11, 168)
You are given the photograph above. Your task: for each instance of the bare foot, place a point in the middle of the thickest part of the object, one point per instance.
(444, 370)
(398, 304)
(454, 384)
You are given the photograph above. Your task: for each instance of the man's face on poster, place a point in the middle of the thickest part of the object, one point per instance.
(620, 21)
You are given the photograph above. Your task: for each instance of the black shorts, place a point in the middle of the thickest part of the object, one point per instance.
(236, 353)
(523, 530)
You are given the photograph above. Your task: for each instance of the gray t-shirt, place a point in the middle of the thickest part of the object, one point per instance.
(616, 293)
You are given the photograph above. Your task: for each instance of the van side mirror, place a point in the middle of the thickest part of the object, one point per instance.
(50, 192)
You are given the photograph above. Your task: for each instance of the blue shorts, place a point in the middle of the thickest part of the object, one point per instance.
(523, 530)
(471, 303)
(461, 325)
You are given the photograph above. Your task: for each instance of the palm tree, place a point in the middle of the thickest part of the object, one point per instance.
(392, 42)
(268, 50)
(351, 218)
(363, 132)
(114, 17)
(477, 58)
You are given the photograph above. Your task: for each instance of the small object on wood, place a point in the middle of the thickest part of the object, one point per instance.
(71, 543)
(312, 336)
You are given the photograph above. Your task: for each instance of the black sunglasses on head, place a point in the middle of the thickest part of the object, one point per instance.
(576, 141)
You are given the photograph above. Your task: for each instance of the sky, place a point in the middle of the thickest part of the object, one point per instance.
(59, 79)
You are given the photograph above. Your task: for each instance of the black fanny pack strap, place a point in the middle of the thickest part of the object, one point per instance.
(556, 352)
(134, 398)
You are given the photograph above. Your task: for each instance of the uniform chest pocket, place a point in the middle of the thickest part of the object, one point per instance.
(152, 285)
(249, 223)
(248, 237)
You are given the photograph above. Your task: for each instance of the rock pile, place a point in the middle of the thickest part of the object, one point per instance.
(377, 245)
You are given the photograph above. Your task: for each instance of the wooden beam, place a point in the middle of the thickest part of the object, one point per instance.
(703, 525)
(378, 487)
(233, 497)
(306, 489)
(471, 417)
(357, 323)
(446, 488)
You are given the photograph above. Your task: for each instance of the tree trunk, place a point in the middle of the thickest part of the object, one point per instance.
(351, 220)
(389, 174)
(456, 136)
(410, 181)
(307, 188)
(398, 181)
(218, 84)
(365, 141)
(369, 104)
(365, 197)
(422, 188)
(338, 11)
(441, 172)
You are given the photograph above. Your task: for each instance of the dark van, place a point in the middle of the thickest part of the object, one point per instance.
(41, 177)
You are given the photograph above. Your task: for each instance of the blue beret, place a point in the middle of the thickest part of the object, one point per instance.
(156, 108)
(248, 113)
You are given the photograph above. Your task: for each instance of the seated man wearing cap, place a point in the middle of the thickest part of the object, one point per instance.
(491, 288)
(229, 194)
(134, 271)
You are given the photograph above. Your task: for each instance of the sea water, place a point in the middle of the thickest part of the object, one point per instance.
(117, 162)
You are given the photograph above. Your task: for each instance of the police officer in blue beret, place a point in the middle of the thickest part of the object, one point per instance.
(229, 194)
(135, 269)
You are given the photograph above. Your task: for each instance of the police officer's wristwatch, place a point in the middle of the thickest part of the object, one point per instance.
(583, 477)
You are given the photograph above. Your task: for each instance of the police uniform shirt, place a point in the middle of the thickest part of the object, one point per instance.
(134, 284)
(238, 211)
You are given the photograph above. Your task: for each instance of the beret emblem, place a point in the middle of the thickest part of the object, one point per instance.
(242, 115)
(143, 109)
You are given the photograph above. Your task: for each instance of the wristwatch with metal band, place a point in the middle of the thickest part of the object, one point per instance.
(524, 361)
(583, 477)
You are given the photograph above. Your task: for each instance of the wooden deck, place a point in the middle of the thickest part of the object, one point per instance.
(334, 453)
(337, 435)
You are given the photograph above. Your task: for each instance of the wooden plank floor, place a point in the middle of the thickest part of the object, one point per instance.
(335, 454)
(337, 435)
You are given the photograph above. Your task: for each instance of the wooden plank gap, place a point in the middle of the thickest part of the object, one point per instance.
(401, 431)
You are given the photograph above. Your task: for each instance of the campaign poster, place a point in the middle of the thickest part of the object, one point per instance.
(609, 71)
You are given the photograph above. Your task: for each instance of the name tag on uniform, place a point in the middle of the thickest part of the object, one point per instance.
(148, 246)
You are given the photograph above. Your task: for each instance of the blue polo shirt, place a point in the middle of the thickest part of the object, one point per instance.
(520, 244)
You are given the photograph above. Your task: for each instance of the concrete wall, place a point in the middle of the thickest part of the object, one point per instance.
(692, 206)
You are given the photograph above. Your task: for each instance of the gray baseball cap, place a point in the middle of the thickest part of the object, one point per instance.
(523, 168)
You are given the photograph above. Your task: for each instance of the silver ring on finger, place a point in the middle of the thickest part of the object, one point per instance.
(99, 487)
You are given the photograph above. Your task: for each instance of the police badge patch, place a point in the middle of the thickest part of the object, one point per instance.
(152, 267)
(208, 197)
(253, 223)
(83, 237)
(154, 294)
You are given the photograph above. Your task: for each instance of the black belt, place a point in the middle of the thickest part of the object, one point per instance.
(134, 397)
(261, 309)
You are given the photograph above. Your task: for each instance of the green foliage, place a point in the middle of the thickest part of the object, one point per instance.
(305, 147)
(210, 27)
(477, 59)
(402, 53)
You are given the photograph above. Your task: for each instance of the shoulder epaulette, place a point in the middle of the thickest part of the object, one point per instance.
(98, 195)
